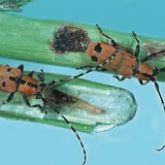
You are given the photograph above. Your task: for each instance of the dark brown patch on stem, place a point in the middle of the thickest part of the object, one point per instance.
(70, 39)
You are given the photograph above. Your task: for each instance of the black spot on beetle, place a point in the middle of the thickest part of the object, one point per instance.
(12, 78)
(32, 85)
(8, 69)
(3, 84)
(98, 48)
(70, 39)
(94, 58)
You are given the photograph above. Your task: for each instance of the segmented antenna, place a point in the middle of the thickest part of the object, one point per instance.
(160, 96)
(95, 68)
(77, 135)
(152, 55)
(161, 148)
(162, 101)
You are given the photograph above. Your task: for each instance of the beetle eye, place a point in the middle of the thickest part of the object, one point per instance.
(98, 48)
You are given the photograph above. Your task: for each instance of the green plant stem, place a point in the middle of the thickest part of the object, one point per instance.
(12, 5)
(31, 39)
(119, 106)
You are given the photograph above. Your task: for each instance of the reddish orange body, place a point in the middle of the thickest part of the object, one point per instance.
(6, 84)
(122, 62)
(12, 80)
(113, 57)
(29, 87)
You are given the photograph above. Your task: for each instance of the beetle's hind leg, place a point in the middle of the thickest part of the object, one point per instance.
(41, 108)
(119, 78)
(10, 97)
(137, 50)
(41, 76)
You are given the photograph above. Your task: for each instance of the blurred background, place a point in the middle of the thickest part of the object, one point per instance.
(133, 143)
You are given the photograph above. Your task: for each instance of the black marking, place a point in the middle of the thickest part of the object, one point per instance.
(94, 58)
(3, 84)
(13, 78)
(8, 69)
(98, 48)
(21, 67)
(31, 85)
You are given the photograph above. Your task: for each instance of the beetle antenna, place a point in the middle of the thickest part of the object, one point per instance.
(158, 91)
(77, 135)
(161, 148)
(162, 101)
(91, 69)
(153, 55)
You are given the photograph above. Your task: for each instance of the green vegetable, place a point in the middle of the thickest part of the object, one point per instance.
(31, 40)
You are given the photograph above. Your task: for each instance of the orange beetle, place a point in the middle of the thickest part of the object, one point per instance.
(12, 80)
(113, 57)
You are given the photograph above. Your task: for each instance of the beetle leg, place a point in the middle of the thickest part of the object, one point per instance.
(162, 69)
(152, 78)
(51, 83)
(143, 82)
(161, 148)
(105, 35)
(156, 70)
(137, 50)
(119, 78)
(70, 78)
(84, 67)
(10, 97)
(41, 76)
(158, 91)
(21, 67)
(32, 106)
(91, 69)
